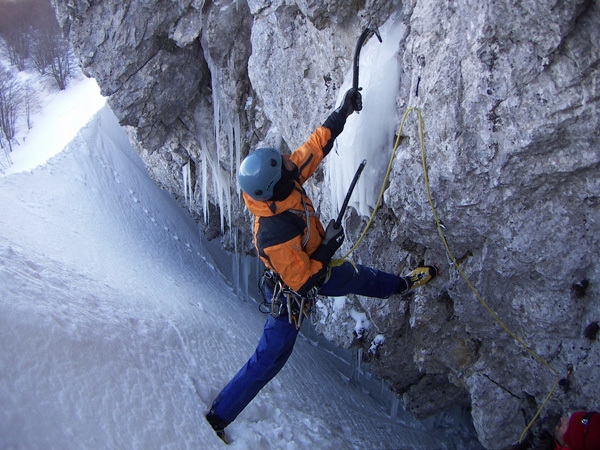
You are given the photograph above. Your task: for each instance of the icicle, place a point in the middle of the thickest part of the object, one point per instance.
(359, 361)
(394, 408)
(190, 185)
(187, 184)
(237, 131)
(205, 184)
(221, 177)
(184, 173)
(236, 263)
(245, 277)
(220, 182)
(225, 126)
(362, 323)
(230, 142)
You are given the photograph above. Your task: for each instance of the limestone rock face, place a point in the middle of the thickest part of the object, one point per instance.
(509, 93)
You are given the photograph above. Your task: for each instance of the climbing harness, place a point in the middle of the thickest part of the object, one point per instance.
(286, 301)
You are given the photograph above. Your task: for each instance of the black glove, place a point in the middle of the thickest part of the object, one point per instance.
(334, 237)
(352, 102)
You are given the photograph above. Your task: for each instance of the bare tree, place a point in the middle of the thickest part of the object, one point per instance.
(5, 159)
(11, 102)
(41, 52)
(50, 52)
(31, 103)
(62, 58)
(15, 29)
(31, 32)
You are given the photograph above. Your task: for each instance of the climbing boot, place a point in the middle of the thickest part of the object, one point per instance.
(218, 425)
(420, 276)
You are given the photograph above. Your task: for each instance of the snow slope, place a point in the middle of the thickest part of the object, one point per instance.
(117, 332)
(61, 117)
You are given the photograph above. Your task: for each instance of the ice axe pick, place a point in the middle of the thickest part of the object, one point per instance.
(340, 216)
(370, 30)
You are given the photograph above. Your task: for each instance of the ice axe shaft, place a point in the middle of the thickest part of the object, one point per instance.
(371, 29)
(340, 216)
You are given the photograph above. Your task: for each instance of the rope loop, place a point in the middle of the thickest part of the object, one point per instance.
(466, 279)
(452, 261)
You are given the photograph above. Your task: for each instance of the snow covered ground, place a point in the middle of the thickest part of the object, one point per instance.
(116, 331)
(55, 124)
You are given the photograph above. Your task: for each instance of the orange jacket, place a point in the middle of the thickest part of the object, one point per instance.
(280, 227)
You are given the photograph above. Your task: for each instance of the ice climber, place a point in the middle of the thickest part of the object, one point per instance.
(297, 250)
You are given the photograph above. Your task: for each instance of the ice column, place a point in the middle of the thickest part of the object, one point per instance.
(370, 134)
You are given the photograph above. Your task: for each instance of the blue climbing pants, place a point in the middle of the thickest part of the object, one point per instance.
(273, 350)
(346, 279)
(278, 338)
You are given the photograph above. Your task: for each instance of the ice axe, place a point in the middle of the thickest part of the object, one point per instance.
(370, 30)
(340, 216)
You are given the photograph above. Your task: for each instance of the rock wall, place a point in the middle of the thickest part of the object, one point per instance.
(510, 97)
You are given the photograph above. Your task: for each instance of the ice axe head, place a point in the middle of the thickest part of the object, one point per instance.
(371, 29)
(375, 30)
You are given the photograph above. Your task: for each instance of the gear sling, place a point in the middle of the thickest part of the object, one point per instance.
(286, 301)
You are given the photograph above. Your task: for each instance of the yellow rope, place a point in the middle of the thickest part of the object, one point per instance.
(340, 261)
(464, 276)
(451, 257)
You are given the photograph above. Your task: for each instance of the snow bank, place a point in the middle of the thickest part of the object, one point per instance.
(61, 117)
(117, 332)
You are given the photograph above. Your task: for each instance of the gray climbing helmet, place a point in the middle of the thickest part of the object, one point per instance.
(259, 172)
